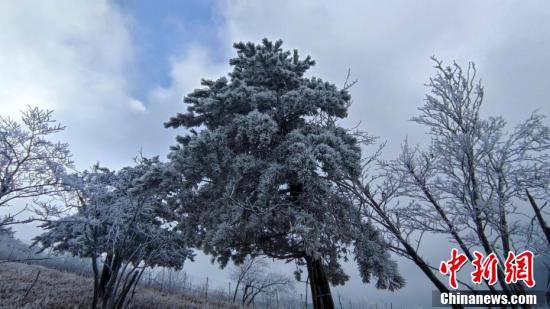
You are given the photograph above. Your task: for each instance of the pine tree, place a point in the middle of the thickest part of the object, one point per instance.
(258, 171)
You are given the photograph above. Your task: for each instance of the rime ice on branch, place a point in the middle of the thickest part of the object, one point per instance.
(472, 182)
(121, 220)
(31, 165)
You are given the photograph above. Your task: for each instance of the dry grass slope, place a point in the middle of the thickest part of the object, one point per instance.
(56, 289)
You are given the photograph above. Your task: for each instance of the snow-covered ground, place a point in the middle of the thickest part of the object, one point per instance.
(65, 282)
(56, 289)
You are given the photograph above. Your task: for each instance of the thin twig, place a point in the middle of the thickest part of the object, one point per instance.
(32, 285)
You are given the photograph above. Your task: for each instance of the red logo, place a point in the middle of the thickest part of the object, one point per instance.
(520, 268)
(517, 268)
(485, 269)
(452, 266)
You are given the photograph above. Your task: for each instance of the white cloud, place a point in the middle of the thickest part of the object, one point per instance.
(77, 58)
(72, 57)
(137, 105)
(187, 70)
(387, 45)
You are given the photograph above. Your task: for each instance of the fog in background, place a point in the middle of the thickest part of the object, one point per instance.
(115, 71)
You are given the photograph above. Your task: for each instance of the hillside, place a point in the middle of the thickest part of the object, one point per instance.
(56, 289)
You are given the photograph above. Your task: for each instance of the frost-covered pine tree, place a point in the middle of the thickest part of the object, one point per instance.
(258, 169)
(121, 221)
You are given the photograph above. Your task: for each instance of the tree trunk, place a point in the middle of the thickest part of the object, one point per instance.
(105, 275)
(538, 214)
(96, 282)
(318, 280)
(320, 287)
(480, 229)
(126, 289)
(236, 291)
(109, 276)
(449, 224)
(410, 251)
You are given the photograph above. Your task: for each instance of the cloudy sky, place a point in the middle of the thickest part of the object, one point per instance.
(114, 71)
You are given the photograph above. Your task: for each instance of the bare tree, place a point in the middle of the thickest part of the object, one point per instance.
(248, 268)
(252, 278)
(471, 183)
(30, 163)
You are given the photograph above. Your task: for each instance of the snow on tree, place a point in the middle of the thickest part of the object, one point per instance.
(472, 181)
(258, 170)
(30, 163)
(123, 223)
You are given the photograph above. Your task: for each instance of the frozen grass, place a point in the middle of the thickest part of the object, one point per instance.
(65, 282)
(56, 289)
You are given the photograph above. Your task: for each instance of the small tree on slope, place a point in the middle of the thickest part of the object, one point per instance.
(258, 179)
(123, 224)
